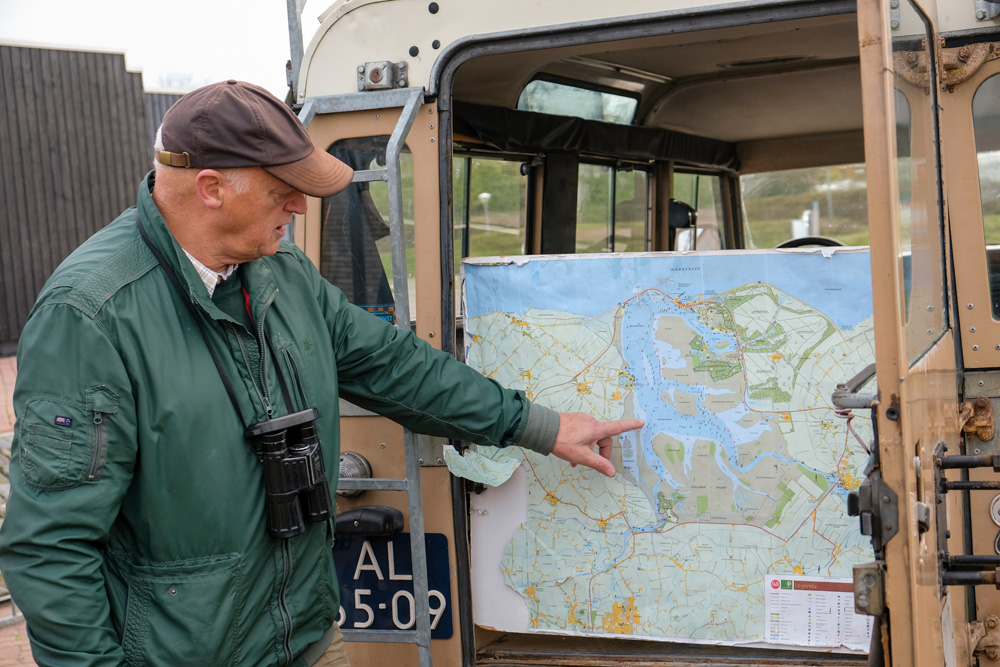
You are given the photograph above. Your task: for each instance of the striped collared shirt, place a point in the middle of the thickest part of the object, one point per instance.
(208, 276)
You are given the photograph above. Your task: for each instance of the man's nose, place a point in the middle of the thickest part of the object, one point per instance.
(296, 204)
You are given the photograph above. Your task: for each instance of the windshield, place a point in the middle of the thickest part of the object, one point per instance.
(791, 204)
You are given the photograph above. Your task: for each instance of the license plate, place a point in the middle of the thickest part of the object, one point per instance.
(376, 583)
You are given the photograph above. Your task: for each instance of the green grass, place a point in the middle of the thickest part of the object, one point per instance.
(991, 226)
(769, 233)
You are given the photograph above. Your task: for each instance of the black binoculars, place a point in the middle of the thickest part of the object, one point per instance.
(294, 474)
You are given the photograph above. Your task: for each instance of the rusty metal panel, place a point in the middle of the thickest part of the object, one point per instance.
(74, 138)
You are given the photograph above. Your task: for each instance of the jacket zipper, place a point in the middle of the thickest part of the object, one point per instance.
(262, 391)
(263, 352)
(246, 360)
(265, 396)
(100, 446)
(286, 553)
(286, 618)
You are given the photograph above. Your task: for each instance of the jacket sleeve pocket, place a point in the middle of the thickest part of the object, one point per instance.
(183, 612)
(102, 403)
(63, 442)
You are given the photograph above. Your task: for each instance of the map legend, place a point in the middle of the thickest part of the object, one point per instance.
(809, 611)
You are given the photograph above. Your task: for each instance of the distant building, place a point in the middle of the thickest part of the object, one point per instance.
(156, 106)
(76, 133)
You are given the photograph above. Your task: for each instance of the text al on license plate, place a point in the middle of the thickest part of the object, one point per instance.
(376, 583)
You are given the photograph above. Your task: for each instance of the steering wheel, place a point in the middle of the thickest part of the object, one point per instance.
(809, 240)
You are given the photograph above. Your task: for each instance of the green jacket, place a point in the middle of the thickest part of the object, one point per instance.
(135, 530)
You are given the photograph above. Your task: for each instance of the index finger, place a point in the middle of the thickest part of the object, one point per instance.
(619, 426)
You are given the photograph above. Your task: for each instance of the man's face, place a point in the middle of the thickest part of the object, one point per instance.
(255, 221)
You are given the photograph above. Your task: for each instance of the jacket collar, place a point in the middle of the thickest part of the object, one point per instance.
(256, 275)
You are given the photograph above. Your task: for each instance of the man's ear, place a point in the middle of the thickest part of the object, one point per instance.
(208, 187)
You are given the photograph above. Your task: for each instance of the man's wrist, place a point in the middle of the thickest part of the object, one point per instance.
(541, 430)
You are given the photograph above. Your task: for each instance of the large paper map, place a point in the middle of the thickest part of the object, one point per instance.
(741, 471)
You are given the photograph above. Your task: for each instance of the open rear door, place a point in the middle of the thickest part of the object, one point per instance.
(902, 505)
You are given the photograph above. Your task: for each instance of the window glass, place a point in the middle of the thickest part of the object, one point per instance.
(565, 100)
(460, 206)
(904, 182)
(986, 120)
(611, 209)
(594, 208)
(921, 251)
(631, 210)
(791, 204)
(703, 192)
(489, 208)
(355, 249)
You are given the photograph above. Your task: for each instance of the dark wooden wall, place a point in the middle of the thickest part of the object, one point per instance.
(156, 106)
(74, 144)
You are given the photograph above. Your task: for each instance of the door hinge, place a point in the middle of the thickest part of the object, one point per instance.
(984, 638)
(869, 588)
(976, 418)
(958, 65)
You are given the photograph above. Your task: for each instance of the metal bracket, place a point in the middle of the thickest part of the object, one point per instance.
(913, 67)
(984, 637)
(894, 14)
(381, 75)
(987, 9)
(976, 418)
(877, 506)
(959, 65)
(430, 450)
(846, 396)
(869, 588)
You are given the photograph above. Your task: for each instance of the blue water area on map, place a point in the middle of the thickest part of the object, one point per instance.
(645, 363)
(655, 287)
(838, 285)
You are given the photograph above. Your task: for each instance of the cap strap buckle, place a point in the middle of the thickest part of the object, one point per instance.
(174, 159)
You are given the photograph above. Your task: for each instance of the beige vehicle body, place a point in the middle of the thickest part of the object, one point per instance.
(775, 86)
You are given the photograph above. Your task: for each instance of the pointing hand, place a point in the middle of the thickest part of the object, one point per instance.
(579, 432)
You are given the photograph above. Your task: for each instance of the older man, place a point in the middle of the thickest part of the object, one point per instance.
(158, 366)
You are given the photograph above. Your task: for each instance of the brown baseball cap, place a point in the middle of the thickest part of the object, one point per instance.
(237, 124)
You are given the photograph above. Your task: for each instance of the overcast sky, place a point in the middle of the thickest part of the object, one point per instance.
(174, 43)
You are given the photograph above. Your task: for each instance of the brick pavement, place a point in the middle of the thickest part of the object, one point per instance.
(8, 371)
(14, 649)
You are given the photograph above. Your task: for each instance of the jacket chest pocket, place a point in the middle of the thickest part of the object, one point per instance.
(292, 365)
(64, 443)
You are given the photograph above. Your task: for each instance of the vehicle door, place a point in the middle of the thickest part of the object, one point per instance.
(378, 242)
(917, 394)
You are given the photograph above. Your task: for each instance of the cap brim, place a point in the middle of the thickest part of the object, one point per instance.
(319, 174)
